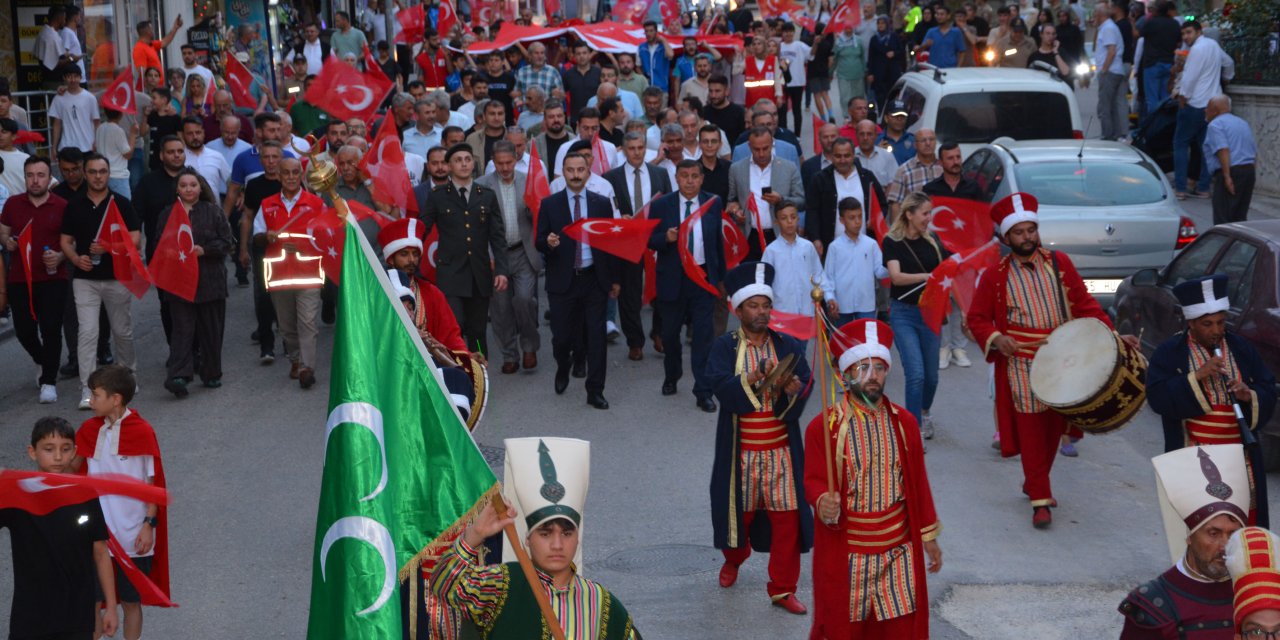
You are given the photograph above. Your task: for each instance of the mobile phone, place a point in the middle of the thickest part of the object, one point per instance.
(766, 190)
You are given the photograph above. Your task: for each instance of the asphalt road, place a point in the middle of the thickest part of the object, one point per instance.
(244, 467)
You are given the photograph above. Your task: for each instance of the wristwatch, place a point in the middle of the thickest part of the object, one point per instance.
(153, 521)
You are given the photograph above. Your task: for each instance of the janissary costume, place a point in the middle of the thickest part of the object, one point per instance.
(1200, 412)
(1252, 559)
(1195, 485)
(868, 567)
(547, 477)
(757, 477)
(1026, 301)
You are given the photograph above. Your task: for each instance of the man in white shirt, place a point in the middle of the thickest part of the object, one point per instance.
(190, 65)
(208, 163)
(796, 54)
(588, 127)
(229, 145)
(690, 123)
(516, 136)
(70, 35)
(75, 114)
(426, 131)
(12, 178)
(1200, 81)
(1108, 49)
(313, 50)
(49, 48)
(876, 159)
(595, 184)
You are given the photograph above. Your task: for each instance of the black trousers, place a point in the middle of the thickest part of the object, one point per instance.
(1227, 207)
(630, 300)
(580, 311)
(794, 104)
(71, 328)
(42, 336)
(472, 313)
(754, 250)
(196, 325)
(699, 306)
(263, 310)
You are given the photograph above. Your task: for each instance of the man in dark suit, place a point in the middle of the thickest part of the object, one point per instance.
(843, 179)
(811, 166)
(471, 229)
(679, 297)
(635, 183)
(580, 279)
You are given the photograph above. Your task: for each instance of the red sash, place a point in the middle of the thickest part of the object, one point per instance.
(762, 431)
(876, 532)
(1027, 334)
(1219, 426)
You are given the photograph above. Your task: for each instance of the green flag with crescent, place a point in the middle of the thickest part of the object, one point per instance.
(401, 472)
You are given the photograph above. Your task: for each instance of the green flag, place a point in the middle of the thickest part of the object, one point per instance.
(401, 472)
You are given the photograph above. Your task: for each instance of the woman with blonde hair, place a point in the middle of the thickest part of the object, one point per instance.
(194, 100)
(911, 253)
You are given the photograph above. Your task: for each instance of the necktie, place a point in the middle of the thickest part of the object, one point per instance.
(688, 211)
(577, 215)
(637, 188)
(462, 193)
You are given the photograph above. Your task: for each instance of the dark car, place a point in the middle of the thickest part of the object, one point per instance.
(1248, 253)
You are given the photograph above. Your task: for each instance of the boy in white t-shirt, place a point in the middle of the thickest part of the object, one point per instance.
(795, 263)
(796, 54)
(854, 263)
(75, 114)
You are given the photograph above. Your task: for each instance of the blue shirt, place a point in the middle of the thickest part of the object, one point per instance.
(630, 101)
(684, 67)
(944, 53)
(655, 65)
(1228, 131)
(249, 166)
(781, 149)
(904, 149)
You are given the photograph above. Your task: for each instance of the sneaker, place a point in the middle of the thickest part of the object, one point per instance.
(961, 358)
(1199, 195)
(267, 358)
(1181, 195)
(611, 332)
(944, 358)
(1069, 450)
(995, 441)
(85, 395)
(48, 394)
(927, 429)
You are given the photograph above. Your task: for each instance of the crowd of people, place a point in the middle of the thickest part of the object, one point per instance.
(664, 132)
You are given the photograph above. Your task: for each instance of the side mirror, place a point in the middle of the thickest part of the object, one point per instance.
(1145, 278)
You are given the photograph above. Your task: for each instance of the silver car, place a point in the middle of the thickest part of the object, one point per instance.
(1105, 204)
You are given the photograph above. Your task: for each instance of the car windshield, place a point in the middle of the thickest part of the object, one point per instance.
(1096, 184)
(1021, 115)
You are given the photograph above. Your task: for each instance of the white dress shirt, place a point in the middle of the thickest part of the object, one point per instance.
(671, 171)
(881, 163)
(610, 152)
(521, 165)
(595, 184)
(761, 178)
(646, 186)
(212, 167)
(699, 249)
(49, 47)
(696, 154)
(795, 264)
(849, 187)
(851, 271)
(260, 220)
(583, 247)
(1201, 77)
(314, 55)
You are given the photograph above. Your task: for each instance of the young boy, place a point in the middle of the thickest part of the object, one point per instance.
(60, 557)
(119, 441)
(854, 263)
(795, 262)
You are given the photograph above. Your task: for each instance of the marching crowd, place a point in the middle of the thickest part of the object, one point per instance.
(501, 154)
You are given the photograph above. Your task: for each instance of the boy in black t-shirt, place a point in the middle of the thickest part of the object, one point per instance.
(58, 558)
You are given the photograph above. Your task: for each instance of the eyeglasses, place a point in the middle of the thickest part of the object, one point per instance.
(1261, 634)
(880, 368)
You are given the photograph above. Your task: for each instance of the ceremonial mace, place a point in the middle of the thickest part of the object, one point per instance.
(1254, 451)
(821, 348)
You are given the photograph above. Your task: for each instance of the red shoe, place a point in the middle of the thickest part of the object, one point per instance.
(791, 605)
(1041, 518)
(728, 574)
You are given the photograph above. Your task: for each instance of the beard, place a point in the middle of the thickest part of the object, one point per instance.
(1025, 249)
(872, 394)
(1212, 566)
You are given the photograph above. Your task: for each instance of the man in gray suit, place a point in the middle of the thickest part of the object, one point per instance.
(770, 179)
(514, 312)
(635, 183)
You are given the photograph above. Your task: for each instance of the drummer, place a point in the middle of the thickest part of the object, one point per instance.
(1031, 292)
(1196, 375)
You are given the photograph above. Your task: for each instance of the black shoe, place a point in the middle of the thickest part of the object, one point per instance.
(105, 359)
(176, 386)
(328, 313)
(562, 381)
(707, 404)
(69, 370)
(580, 370)
(669, 388)
(597, 400)
(253, 337)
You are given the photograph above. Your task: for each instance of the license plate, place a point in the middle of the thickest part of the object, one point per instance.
(1101, 286)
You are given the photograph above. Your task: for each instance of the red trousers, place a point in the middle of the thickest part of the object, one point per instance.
(784, 551)
(1038, 437)
(900, 628)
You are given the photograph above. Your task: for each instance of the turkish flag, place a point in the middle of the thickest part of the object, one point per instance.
(384, 164)
(40, 493)
(427, 267)
(413, 23)
(371, 64)
(599, 161)
(536, 185)
(361, 213)
(622, 237)
(327, 237)
(174, 265)
(26, 136)
(847, 15)
(974, 263)
(119, 95)
(875, 217)
(961, 224)
(775, 8)
(735, 244)
(754, 208)
(629, 11)
(691, 268)
(126, 264)
(670, 11)
(26, 251)
(803, 20)
(446, 18)
(240, 80)
(946, 279)
(345, 93)
(800, 327)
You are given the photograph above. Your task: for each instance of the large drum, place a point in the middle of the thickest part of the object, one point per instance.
(1089, 376)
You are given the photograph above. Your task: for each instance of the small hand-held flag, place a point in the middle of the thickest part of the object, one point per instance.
(735, 244)
(26, 251)
(413, 24)
(446, 19)
(344, 92)
(847, 15)
(40, 493)
(796, 325)
(126, 264)
(622, 237)
(119, 95)
(385, 166)
(599, 159)
(536, 186)
(754, 208)
(691, 267)
(371, 63)
(240, 82)
(174, 266)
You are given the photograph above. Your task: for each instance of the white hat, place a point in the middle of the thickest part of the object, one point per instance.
(860, 340)
(1196, 484)
(545, 479)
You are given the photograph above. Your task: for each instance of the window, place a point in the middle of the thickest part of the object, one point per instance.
(1021, 115)
(1091, 184)
(1194, 260)
(973, 164)
(915, 105)
(1237, 262)
(991, 177)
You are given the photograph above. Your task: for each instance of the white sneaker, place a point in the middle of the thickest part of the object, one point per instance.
(85, 395)
(960, 358)
(944, 358)
(48, 394)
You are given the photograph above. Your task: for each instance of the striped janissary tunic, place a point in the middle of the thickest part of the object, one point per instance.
(1034, 312)
(882, 583)
(767, 478)
(1219, 425)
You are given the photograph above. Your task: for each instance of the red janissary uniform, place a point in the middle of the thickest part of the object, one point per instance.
(869, 569)
(761, 79)
(432, 313)
(1027, 301)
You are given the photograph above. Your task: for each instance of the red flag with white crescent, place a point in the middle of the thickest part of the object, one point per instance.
(735, 244)
(27, 252)
(119, 96)
(126, 264)
(371, 65)
(599, 160)
(847, 15)
(239, 81)
(344, 92)
(754, 208)
(622, 237)
(800, 327)
(327, 237)
(691, 267)
(629, 11)
(40, 493)
(945, 280)
(431, 244)
(175, 266)
(536, 185)
(960, 223)
(384, 164)
(446, 18)
(876, 218)
(413, 23)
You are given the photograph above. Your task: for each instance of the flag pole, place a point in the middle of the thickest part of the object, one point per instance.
(819, 314)
(530, 575)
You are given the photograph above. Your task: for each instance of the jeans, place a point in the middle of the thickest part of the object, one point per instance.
(846, 318)
(1155, 84)
(1190, 131)
(1113, 108)
(918, 349)
(120, 186)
